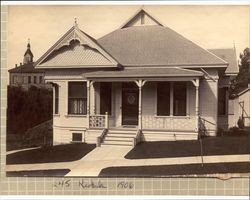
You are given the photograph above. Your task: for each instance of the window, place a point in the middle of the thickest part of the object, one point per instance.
(76, 137)
(163, 98)
(35, 79)
(179, 99)
(222, 101)
(56, 99)
(105, 98)
(29, 79)
(14, 80)
(40, 79)
(77, 99)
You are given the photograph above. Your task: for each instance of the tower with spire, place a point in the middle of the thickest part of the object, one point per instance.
(28, 55)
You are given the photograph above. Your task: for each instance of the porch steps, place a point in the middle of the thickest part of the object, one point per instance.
(122, 137)
(166, 135)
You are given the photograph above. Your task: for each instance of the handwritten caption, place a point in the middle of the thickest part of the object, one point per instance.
(67, 183)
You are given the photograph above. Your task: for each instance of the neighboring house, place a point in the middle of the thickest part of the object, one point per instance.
(142, 81)
(240, 108)
(25, 75)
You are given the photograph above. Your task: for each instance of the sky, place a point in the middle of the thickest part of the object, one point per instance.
(219, 26)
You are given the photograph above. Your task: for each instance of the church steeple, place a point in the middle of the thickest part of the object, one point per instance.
(28, 56)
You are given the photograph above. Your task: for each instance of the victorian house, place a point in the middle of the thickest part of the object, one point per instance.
(141, 82)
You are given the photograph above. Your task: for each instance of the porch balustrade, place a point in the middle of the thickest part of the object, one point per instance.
(98, 121)
(169, 123)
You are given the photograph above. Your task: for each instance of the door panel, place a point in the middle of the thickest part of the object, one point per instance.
(129, 104)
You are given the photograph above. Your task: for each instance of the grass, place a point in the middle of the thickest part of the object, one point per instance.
(231, 145)
(38, 173)
(59, 153)
(168, 170)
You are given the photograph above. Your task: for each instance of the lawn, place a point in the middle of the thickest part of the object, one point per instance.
(39, 173)
(170, 170)
(59, 153)
(226, 145)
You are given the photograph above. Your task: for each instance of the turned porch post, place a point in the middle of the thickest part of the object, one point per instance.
(140, 84)
(197, 84)
(88, 102)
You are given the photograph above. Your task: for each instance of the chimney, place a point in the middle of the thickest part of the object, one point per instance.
(16, 65)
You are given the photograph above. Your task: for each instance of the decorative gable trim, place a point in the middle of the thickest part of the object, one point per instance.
(74, 34)
(141, 14)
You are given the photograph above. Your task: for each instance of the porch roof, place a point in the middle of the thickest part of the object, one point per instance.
(144, 72)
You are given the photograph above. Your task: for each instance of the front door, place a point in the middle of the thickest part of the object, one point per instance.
(129, 104)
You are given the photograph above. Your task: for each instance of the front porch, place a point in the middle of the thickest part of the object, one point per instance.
(158, 108)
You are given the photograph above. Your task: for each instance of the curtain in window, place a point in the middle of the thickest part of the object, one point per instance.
(77, 102)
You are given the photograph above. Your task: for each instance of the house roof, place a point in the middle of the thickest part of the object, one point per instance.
(144, 72)
(228, 55)
(155, 45)
(26, 68)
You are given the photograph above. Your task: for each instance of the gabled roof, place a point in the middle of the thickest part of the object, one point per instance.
(144, 72)
(228, 55)
(26, 68)
(156, 46)
(76, 49)
(140, 18)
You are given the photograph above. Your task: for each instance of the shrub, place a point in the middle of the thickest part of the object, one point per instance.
(240, 123)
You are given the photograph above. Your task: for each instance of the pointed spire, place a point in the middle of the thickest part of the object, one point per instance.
(28, 55)
(28, 45)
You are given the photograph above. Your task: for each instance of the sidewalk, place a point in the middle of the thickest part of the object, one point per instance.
(112, 156)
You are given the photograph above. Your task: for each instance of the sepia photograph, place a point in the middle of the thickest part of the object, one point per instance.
(128, 91)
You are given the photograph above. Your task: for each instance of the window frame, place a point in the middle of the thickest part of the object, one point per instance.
(157, 99)
(70, 98)
(225, 102)
(174, 84)
(171, 83)
(29, 79)
(56, 99)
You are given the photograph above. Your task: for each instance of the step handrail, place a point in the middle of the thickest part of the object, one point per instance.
(101, 137)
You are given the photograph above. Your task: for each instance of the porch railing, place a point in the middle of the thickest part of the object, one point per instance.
(98, 121)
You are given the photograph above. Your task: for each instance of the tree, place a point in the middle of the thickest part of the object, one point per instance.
(27, 109)
(242, 80)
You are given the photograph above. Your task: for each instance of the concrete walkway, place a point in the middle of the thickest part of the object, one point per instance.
(111, 156)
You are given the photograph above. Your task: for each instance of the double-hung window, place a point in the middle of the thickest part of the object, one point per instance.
(180, 99)
(163, 98)
(171, 98)
(77, 98)
(222, 101)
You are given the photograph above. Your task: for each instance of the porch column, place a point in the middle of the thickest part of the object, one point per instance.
(140, 84)
(88, 102)
(196, 83)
